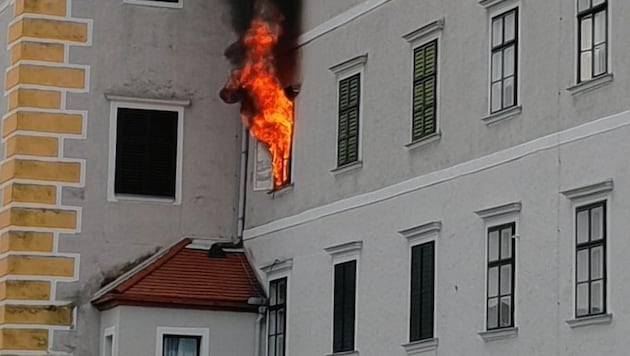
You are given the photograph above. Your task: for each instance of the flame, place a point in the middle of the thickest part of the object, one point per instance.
(272, 119)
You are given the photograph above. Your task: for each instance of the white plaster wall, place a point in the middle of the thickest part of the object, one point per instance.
(544, 274)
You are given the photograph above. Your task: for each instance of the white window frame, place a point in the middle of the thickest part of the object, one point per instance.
(343, 71)
(110, 332)
(496, 216)
(178, 5)
(576, 49)
(204, 333)
(277, 270)
(162, 105)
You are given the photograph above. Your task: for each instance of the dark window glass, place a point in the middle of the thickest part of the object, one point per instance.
(424, 90)
(422, 291)
(590, 263)
(181, 345)
(344, 306)
(348, 124)
(277, 317)
(146, 152)
(175, 1)
(592, 39)
(504, 74)
(501, 252)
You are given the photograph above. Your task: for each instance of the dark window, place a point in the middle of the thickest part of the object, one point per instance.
(277, 317)
(590, 271)
(348, 128)
(175, 1)
(422, 291)
(501, 252)
(146, 152)
(504, 74)
(344, 306)
(181, 345)
(592, 39)
(424, 90)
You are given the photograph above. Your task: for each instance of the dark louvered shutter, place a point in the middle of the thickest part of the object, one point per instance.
(424, 90)
(146, 152)
(344, 306)
(348, 128)
(422, 291)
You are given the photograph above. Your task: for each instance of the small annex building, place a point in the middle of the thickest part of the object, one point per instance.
(183, 301)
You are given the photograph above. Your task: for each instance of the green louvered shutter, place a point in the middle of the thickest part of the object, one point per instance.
(424, 90)
(348, 130)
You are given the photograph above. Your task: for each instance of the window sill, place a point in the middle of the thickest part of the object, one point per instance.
(424, 141)
(130, 198)
(278, 193)
(345, 353)
(153, 3)
(502, 115)
(499, 334)
(490, 3)
(590, 85)
(347, 168)
(418, 347)
(590, 320)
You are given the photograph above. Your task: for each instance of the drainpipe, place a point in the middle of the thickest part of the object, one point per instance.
(260, 329)
(242, 194)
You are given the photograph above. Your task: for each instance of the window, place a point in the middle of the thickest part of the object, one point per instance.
(108, 342)
(422, 291)
(500, 298)
(145, 152)
(504, 47)
(424, 90)
(159, 3)
(277, 317)
(592, 39)
(344, 306)
(590, 288)
(348, 123)
(181, 345)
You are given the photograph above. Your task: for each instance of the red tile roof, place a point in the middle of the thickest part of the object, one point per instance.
(187, 278)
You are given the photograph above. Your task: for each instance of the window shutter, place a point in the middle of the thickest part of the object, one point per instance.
(424, 91)
(416, 259)
(422, 285)
(348, 125)
(349, 306)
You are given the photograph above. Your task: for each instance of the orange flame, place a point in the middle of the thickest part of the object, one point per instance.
(272, 121)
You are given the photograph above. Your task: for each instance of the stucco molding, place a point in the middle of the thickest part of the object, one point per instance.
(492, 3)
(425, 31)
(500, 210)
(277, 266)
(499, 334)
(349, 65)
(590, 190)
(590, 320)
(425, 141)
(345, 353)
(422, 232)
(149, 101)
(176, 5)
(417, 348)
(590, 85)
(347, 168)
(344, 248)
(502, 115)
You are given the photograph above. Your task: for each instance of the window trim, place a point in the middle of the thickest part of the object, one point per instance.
(110, 331)
(178, 5)
(162, 105)
(203, 333)
(499, 263)
(578, 46)
(279, 269)
(284, 306)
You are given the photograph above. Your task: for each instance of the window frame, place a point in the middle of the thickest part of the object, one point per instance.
(110, 332)
(579, 15)
(171, 5)
(202, 333)
(280, 306)
(113, 125)
(354, 336)
(413, 246)
(500, 262)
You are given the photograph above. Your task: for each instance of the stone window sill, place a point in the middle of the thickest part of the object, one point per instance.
(590, 85)
(499, 334)
(502, 115)
(347, 168)
(416, 348)
(424, 141)
(285, 189)
(345, 353)
(590, 320)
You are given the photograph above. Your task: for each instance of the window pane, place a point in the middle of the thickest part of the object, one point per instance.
(599, 67)
(282, 291)
(496, 66)
(582, 299)
(493, 246)
(280, 345)
(281, 320)
(272, 322)
(506, 243)
(497, 31)
(496, 97)
(597, 217)
(493, 313)
(508, 92)
(582, 226)
(508, 61)
(510, 27)
(583, 4)
(582, 265)
(493, 282)
(271, 346)
(506, 279)
(585, 66)
(598, 2)
(600, 27)
(597, 297)
(506, 311)
(586, 33)
(597, 262)
(272, 294)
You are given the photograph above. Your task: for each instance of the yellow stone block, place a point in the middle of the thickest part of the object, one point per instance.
(32, 145)
(42, 99)
(43, 122)
(71, 78)
(26, 241)
(40, 170)
(49, 30)
(37, 266)
(24, 339)
(42, 7)
(25, 290)
(36, 314)
(29, 193)
(43, 218)
(30, 51)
